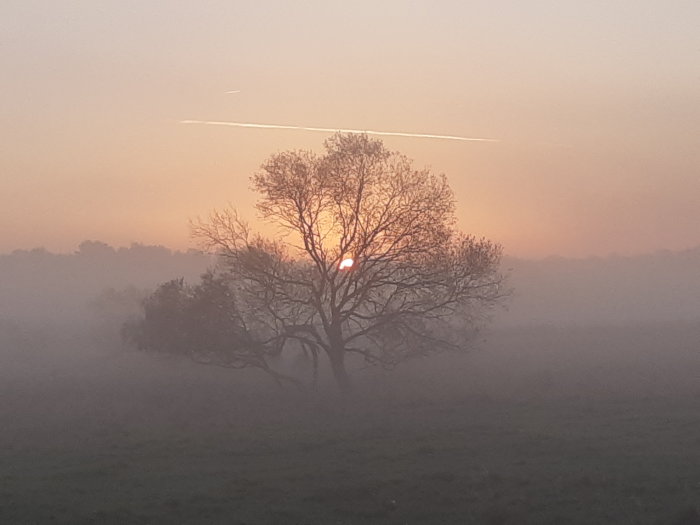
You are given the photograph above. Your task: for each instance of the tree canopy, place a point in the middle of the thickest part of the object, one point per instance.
(412, 283)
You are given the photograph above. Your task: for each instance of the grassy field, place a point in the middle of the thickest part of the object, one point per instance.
(538, 426)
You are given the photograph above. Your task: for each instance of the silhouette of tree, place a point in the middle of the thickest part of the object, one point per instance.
(201, 322)
(95, 249)
(416, 285)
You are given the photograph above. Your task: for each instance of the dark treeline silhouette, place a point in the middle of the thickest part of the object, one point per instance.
(38, 286)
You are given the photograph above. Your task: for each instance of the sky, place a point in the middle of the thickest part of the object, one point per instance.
(594, 107)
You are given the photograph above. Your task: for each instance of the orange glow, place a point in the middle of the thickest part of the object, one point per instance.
(592, 158)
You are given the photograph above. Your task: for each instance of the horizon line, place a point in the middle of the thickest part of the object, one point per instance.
(522, 257)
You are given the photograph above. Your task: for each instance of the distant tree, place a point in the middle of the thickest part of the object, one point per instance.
(120, 304)
(370, 261)
(95, 249)
(162, 328)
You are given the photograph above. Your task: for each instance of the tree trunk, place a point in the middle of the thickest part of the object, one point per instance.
(337, 358)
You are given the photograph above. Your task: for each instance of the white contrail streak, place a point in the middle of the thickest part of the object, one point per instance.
(331, 130)
(233, 91)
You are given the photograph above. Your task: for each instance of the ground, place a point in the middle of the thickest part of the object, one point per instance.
(541, 426)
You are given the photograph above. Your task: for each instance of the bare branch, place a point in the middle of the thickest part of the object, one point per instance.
(416, 280)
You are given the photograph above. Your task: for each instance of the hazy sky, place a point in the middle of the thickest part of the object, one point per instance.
(596, 106)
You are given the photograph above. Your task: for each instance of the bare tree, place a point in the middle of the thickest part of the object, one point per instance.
(369, 260)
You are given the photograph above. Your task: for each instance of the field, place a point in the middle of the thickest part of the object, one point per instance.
(540, 425)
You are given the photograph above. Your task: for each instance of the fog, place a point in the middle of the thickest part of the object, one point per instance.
(37, 285)
(577, 403)
(662, 287)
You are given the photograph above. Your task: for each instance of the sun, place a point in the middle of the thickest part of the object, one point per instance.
(346, 263)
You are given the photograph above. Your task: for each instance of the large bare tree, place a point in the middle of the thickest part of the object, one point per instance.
(368, 260)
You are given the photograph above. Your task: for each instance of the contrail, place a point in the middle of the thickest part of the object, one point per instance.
(233, 91)
(332, 130)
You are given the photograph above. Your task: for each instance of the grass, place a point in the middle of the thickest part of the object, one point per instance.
(541, 427)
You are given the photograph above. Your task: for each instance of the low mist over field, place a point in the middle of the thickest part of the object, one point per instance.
(658, 287)
(578, 404)
(97, 280)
